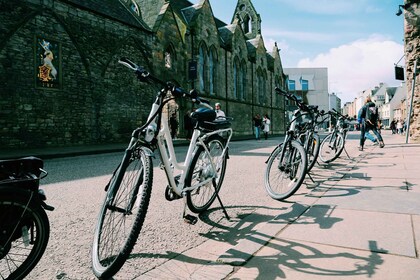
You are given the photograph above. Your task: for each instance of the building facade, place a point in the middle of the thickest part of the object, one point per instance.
(412, 55)
(61, 84)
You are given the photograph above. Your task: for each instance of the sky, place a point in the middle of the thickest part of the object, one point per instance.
(359, 41)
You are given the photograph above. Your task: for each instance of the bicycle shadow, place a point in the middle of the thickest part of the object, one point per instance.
(281, 257)
(289, 255)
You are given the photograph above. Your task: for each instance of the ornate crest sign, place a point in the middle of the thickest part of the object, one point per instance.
(48, 64)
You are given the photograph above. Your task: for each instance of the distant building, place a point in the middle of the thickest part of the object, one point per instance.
(311, 84)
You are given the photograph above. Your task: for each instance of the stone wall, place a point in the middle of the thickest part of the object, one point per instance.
(61, 84)
(92, 99)
(412, 52)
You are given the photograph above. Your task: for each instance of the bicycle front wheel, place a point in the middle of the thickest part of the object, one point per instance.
(122, 214)
(331, 147)
(285, 173)
(201, 170)
(313, 150)
(24, 234)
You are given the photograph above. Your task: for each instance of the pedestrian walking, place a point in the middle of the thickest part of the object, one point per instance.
(257, 125)
(368, 118)
(188, 126)
(173, 125)
(400, 127)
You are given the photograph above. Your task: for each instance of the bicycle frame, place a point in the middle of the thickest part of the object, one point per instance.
(170, 163)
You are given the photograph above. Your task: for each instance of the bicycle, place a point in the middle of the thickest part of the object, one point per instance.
(129, 189)
(287, 163)
(24, 224)
(333, 144)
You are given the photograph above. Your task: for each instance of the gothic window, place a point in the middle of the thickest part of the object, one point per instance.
(259, 87)
(202, 60)
(236, 70)
(246, 24)
(169, 57)
(212, 71)
(242, 81)
(264, 88)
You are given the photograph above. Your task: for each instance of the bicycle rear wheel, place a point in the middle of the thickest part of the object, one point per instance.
(200, 170)
(331, 147)
(122, 214)
(24, 234)
(283, 177)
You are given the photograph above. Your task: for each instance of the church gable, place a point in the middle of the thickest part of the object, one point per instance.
(239, 41)
(247, 17)
(203, 19)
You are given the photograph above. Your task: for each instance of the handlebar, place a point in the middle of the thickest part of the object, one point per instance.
(145, 76)
(299, 103)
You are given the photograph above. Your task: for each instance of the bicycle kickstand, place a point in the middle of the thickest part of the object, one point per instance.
(220, 201)
(347, 153)
(314, 184)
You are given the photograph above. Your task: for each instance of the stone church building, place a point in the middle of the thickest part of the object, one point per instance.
(61, 83)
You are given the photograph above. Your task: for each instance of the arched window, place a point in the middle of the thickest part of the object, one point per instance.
(212, 71)
(202, 61)
(169, 56)
(246, 24)
(242, 81)
(236, 79)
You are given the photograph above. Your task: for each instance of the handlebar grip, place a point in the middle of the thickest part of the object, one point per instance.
(128, 63)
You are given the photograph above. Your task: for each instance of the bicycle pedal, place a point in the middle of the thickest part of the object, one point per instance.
(192, 220)
(170, 195)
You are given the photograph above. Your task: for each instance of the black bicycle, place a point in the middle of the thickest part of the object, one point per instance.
(24, 225)
(288, 162)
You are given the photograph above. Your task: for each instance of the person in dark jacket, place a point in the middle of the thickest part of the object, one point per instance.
(366, 125)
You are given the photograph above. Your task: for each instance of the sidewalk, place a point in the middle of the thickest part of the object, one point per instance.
(361, 220)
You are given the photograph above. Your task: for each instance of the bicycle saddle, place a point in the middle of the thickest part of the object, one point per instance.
(204, 114)
(20, 167)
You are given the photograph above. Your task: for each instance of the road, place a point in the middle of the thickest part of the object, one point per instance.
(75, 187)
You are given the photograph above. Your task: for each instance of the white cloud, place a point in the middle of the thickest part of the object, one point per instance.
(358, 66)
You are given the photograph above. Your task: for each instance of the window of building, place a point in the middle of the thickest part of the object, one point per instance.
(305, 84)
(246, 24)
(202, 68)
(235, 78)
(291, 85)
(168, 60)
(212, 72)
(242, 81)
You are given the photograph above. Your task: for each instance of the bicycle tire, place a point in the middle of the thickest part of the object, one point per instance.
(331, 147)
(20, 254)
(200, 199)
(283, 180)
(122, 215)
(313, 150)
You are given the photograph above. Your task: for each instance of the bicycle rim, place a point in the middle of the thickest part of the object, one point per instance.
(331, 147)
(122, 215)
(313, 151)
(284, 177)
(200, 199)
(24, 234)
